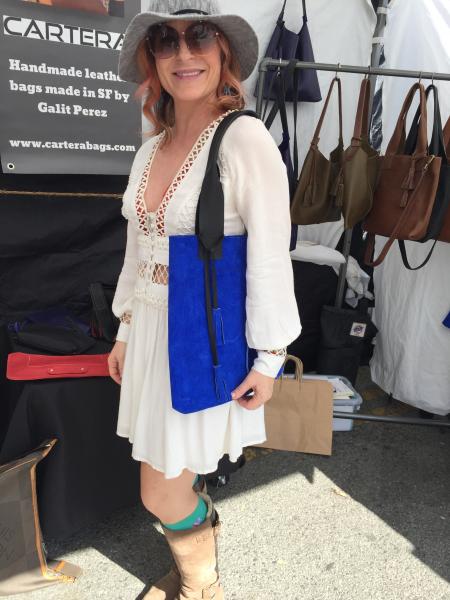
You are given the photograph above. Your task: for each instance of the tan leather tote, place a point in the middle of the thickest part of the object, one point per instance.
(319, 193)
(407, 186)
(361, 165)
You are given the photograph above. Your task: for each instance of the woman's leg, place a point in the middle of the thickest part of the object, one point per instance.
(193, 546)
(170, 500)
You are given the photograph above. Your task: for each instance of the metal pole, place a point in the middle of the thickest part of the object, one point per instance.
(266, 63)
(388, 419)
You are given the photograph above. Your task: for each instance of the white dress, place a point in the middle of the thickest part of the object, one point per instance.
(257, 201)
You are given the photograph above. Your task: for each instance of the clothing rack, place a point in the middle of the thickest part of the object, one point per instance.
(270, 64)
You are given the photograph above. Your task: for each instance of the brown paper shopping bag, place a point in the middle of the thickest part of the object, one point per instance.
(299, 416)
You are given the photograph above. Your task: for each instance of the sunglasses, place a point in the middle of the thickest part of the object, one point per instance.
(164, 41)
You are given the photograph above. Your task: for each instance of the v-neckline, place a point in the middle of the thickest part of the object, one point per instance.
(142, 210)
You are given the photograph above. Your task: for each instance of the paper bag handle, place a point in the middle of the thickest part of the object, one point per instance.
(298, 369)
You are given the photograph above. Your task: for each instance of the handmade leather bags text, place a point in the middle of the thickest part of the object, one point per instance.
(360, 165)
(406, 188)
(22, 366)
(319, 194)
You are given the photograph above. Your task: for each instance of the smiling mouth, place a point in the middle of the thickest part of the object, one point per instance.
(193, 74)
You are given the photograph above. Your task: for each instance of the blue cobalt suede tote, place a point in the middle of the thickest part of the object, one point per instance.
(208, 352)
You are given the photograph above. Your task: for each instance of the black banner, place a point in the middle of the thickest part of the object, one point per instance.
(63, 108)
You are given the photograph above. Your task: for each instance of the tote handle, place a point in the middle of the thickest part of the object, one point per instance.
(362, 113)
(437, 144)
(398, 139)
(316, 138)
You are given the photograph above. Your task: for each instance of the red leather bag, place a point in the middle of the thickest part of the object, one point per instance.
(22, 366)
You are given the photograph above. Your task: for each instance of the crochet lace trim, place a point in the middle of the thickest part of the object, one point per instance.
(141, 207)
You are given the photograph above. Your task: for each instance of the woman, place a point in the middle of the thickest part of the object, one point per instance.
(190, 61)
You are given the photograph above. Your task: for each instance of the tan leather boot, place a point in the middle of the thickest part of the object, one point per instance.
(168, 587)
(195, 553)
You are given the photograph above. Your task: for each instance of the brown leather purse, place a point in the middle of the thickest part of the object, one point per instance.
(319, 193)
(361, 165)
(407, 186)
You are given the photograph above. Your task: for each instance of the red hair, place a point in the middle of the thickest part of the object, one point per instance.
(158, 105)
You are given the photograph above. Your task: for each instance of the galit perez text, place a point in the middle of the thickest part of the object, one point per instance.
(75, 109)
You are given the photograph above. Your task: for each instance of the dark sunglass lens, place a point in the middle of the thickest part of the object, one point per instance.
(201, 37)
(163, 41)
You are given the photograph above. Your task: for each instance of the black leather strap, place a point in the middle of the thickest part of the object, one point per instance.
(209, 225)
(405, 260)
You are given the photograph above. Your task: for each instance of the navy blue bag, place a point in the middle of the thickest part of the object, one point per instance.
(208, 352)
(287, 45)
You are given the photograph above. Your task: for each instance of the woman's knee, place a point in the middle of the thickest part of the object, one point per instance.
(157, 492)
(153, 490)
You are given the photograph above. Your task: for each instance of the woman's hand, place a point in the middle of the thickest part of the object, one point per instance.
(261, 384)
(115, 361)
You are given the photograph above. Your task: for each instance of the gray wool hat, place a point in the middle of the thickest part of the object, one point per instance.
(239, 32)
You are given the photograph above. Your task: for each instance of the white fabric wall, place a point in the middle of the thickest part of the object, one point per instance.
(412, 354)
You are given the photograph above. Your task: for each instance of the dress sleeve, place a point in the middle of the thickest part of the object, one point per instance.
(123, 298)
(258, 182)
(122, 305)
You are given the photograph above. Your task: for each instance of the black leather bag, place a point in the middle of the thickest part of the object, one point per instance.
(54, 339)
(287, 45)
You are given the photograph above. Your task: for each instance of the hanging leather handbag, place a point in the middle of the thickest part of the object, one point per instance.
(360, 165)
(286, 45)
(406, 189)
(438, 226)
(25, 367)
(207, 295)
(319, 194)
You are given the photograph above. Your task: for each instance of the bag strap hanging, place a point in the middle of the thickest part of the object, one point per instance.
(316, 137)
(437, 144)
(305, 16)
(398, 140)
(280, 19)
(209, 228)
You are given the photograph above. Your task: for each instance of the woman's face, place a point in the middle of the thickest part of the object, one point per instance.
(189, 77)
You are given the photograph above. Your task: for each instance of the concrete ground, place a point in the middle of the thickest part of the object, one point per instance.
(371, 522)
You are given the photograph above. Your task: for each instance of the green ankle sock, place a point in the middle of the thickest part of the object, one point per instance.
(192, 520)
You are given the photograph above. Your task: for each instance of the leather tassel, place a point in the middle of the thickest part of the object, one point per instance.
(220, 385)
